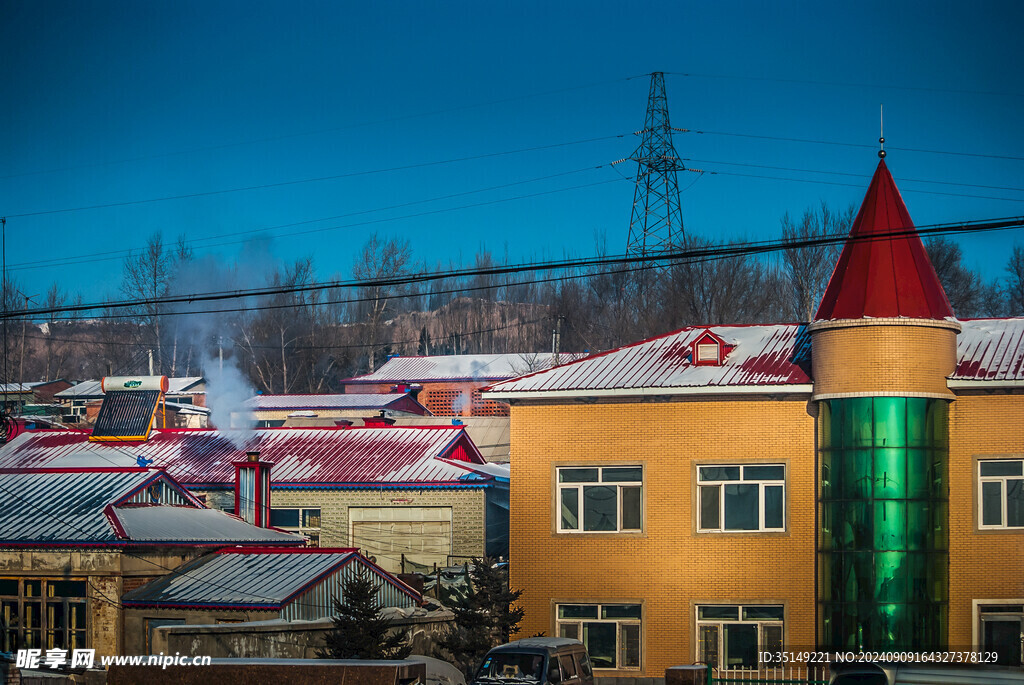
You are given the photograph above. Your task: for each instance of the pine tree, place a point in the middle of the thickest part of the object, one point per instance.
(485, 618)
(359, 631)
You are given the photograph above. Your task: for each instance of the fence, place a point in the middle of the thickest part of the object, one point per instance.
(782, 675)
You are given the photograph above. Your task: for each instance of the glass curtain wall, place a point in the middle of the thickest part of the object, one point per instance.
(883, 524)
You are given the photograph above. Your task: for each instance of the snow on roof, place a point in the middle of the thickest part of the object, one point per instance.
(766, 357)
(21, 387)
(451, 367)
(350, 457)
(759, 356)
(57, 507)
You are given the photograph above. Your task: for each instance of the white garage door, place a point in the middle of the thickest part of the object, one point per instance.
(422, 534)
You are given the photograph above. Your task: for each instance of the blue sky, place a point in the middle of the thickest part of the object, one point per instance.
(115, 102)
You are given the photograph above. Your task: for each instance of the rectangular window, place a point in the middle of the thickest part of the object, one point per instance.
(731, 636)
(611, 633)
(42, 614)
(734, 498)
(606, 499)
(302, 521)
(1001, 493)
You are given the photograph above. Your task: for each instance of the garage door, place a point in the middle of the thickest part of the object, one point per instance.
(422, 534)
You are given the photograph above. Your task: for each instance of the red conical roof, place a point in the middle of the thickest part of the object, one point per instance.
(883, 277)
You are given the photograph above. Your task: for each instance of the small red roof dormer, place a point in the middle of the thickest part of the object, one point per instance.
(709, 350)
(888, 276)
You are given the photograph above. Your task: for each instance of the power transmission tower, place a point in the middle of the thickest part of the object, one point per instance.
(656, 225)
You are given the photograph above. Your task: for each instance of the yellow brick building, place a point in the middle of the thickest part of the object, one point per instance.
(852, 484)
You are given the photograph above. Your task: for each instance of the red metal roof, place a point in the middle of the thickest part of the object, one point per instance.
(883, 277)
(767, 356)
(394, 455)
(759, 355)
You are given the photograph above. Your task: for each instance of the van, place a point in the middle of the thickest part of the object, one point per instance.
(537, 660)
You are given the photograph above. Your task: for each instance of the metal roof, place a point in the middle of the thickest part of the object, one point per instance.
(93, 389)
(21, 387)
(339, 456)
(58, 507)
(450, 367)
(990, 350)
(883, 276)
(372, 401)
(263, 578)
(760, 356)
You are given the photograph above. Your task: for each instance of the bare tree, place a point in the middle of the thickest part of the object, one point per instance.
(968, 294)
(807, 269)
(144, 278)
(379, 260)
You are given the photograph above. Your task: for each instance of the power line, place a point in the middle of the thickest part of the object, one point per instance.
(734, 249)
(845, 84)
(317, 179)
(832, 142)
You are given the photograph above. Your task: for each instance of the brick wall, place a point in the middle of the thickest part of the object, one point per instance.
(668, 567)
(983, 564)
(446, 398)
(883, 356)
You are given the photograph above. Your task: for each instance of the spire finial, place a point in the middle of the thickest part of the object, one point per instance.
(881, 133)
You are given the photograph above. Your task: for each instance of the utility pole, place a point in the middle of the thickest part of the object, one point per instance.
(150, 362)
(21, 364)
(656, 224)
(220, 353)
(556, 339)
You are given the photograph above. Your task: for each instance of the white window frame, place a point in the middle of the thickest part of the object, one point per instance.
(619, 623)
(310, 532)
(761, 483)
(578, 487)
(1003, 495)
(720, 623)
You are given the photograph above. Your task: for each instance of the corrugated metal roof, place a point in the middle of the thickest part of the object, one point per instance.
(76, 507)
(987, 349)
(760, 355)
(480, 367)
(300, 455)
(194, 526)
(350, 401)
(990, 350)
(21, 387)
(261, 578)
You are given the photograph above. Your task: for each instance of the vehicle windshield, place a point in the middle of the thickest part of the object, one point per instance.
(512, 666)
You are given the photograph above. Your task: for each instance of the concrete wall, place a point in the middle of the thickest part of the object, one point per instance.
(286, 639)
(136, 628)
(668, 567)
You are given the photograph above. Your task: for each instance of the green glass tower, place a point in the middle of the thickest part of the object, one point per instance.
(883, 523)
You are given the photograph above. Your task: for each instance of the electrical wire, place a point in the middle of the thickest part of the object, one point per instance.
(673, 256)
(832, 142)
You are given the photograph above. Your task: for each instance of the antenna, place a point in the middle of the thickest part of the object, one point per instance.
(881, 132)
(656, 224)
